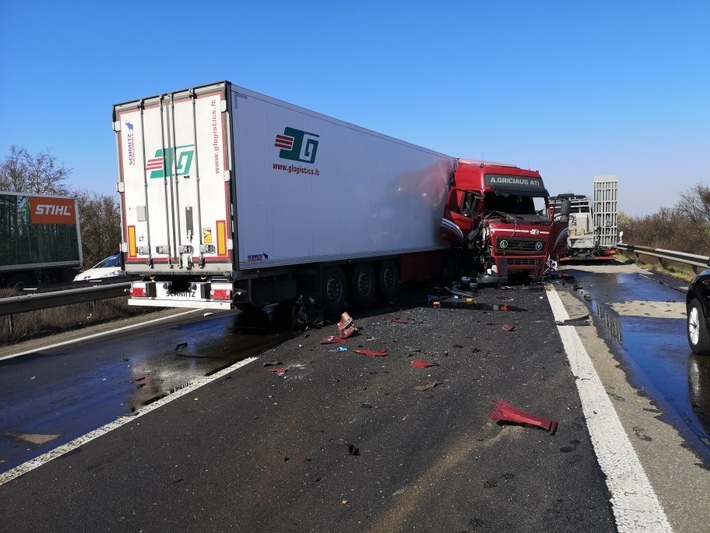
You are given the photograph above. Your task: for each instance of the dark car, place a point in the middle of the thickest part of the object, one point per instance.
(697, 305)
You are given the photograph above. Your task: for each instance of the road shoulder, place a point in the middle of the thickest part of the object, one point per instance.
(677, 475)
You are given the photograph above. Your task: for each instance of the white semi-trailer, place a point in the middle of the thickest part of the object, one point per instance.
(231, 198)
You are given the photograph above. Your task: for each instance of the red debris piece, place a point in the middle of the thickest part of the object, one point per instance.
(403, 320)
(503, 307)
(507, 413)
(509, 327)
(422, 364)
(372, 353)
(346, 326)
(330, 339)
(279, 371)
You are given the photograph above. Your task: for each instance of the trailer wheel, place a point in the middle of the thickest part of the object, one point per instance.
(363, 284)
(388, 279)
(335, 290)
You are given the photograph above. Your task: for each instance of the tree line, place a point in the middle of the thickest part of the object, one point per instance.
(682, 228)
(41, 173)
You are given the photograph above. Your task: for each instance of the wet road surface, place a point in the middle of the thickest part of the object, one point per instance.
(52, 396)
(644, 319)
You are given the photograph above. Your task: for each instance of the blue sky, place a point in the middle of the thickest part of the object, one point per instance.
(573, 89)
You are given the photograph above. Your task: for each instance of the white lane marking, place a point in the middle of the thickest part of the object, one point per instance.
(95, 335)
(69, 446)
(635, 505)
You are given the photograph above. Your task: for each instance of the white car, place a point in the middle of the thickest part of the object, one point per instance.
(105, 269)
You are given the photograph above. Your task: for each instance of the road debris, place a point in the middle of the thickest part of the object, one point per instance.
(509, 327)
(371, 353)
(331, 339)
(346, 327)
(280, 371)
(418, 363)
(507, 413)
(577, 321)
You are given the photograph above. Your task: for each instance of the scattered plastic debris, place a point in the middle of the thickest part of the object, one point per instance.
(507, 413)
(280, 371)
(578, 321)
(353, 450)
(372, 353)
(346, 326)
(342, 349)
(331, 339)
(418, 363)
(509, 327)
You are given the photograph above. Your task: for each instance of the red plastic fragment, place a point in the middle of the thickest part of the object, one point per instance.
(346, 326)
(372, 353)
(422, 364)
(509, 327)
(330, 339)
(279, 371)
(507, 413)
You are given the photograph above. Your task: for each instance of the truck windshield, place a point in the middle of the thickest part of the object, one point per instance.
(514, 204)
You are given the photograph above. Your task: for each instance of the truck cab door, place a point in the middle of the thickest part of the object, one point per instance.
(460, 215)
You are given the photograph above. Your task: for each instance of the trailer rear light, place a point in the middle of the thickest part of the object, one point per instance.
(138, 292)
(221, 294)
(142, 289)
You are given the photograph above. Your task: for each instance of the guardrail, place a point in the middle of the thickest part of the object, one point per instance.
(696, 262)
(45, 300)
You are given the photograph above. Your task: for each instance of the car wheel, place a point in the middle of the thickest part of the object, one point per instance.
(697, 329)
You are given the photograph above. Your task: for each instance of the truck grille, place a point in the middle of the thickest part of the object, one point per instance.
(526, 246)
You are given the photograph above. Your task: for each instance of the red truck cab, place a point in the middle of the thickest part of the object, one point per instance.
(496, 214)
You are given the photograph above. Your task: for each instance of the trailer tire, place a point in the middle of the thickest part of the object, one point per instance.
(364, 284)
(334, 293)
(388, 279)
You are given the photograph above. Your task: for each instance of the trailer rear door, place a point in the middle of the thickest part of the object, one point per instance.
(174, 169)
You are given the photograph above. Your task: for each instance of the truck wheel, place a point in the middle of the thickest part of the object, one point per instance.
(388, 279)
(20, 281)
(697, 329)
(335, 290)
(363, 284)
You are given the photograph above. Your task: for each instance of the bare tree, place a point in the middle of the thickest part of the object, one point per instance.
(39, 174)
(100, 220)
(695, 204)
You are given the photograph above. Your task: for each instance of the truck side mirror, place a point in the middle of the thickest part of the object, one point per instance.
(565, 207)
